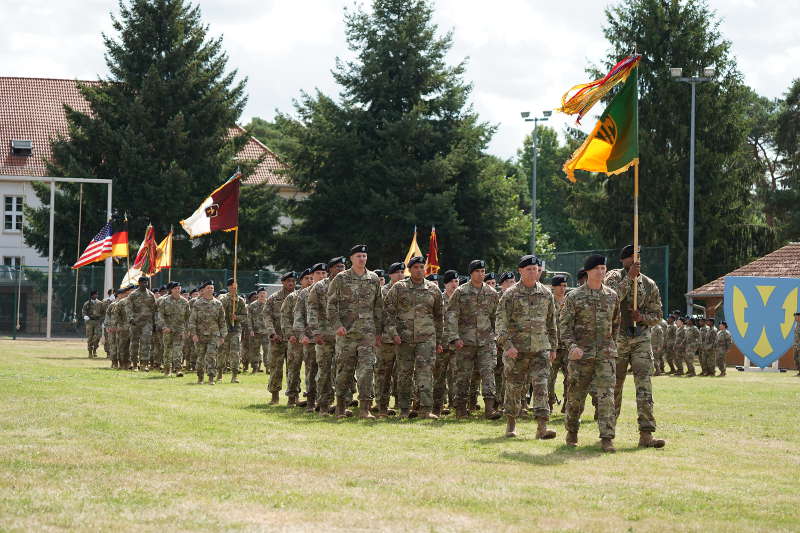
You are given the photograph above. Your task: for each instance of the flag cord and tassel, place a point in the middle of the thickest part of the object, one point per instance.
(77, 270)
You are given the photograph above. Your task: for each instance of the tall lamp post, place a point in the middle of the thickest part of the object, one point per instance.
(677, 75)
(526, 116)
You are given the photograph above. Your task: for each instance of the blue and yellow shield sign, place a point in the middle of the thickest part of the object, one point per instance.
(760, 315)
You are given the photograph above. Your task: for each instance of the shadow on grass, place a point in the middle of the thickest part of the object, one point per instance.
(563, 454)
(63, 358)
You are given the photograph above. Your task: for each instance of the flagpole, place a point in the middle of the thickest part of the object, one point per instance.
(235, 282)
(77, 270)
(169, 270)
(128, 246)
(635, 230)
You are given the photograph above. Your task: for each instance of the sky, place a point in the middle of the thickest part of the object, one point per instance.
(521, 55)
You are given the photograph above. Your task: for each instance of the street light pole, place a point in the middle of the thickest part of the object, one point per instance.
(535, 120)
(676, 73)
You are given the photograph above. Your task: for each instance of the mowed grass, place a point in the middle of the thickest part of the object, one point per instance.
(83, 447)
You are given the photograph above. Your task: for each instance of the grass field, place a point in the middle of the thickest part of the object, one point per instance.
(83, 447)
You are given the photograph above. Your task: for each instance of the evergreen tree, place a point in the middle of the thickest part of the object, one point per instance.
(400, 148)
(159, 126)
(787, 142)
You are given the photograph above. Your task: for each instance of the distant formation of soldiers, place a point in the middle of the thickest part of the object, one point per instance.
(433, 350)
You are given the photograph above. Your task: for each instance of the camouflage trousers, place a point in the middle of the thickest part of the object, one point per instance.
(720, 360)
(157, 351)
(591, 374)
(384, 372)
(207, 347)
(94, 330)
(415, 363)
(325, 370)
(141, 342)
(669, 357)
(559, 363)
(688, 358)
(229, 352)
(467, 359)
(707, 360)
(498, 378)
(277, 358)
(310, 362)
(355, 354)
(173, 348)
(294, 363)
(796, 358)
(110, 345)
(258, 344)
(244, 348)
(123, 339)
(658, 360)
(443, 386)
(527, 368)
(189, 354)
(635, 353)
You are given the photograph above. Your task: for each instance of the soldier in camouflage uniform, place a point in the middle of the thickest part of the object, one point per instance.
(589, 324)
(669, 343)
(693, 343)
(142, 310)
(724, 341)
(92, 312)
(527, 333)
(303, 331)
(470, 330)
(229, 352)
(708, 355)
(157, 352)
(190, 350)
(559, 289)
(443, 382)
(294, 352)
(278, 344)
(258, 326)
(108, 325)
(657, 340)
(208, 329)
(122, 329)
(324, 340)
(634, 349)
(387, 351)
(680, 344)
(795, 345)
(247, 334)
(355, 312)
(172, 317)
(505, 281)
(414, 317)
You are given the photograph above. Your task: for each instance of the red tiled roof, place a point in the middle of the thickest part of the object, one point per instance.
(31, 109)
(782, 263)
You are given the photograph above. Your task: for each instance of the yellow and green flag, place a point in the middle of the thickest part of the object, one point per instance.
(613, 145)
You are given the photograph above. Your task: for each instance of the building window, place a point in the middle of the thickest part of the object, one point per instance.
(12, 213)
(12, 261)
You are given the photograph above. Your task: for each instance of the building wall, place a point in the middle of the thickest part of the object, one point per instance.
(12, 243)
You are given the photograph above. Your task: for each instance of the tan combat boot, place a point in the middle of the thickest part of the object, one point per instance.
(276, 398)
(363, 410)
(234, 377)
(542, 432)
(607, 445)
(199, 376)
(340, 410)
(426, 414)
(405, 413)
(292, 401)
(461, 411)
(311, 401)
(489, 412)
(511, 426)
(571, 438)
(646, 440)
(323, 409)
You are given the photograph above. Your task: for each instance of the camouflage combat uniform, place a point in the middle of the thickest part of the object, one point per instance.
(693, 343)
(560, 363)
(355, 303)
(657, 340)
(157, 350)
(316, 316)
(122, 332)
(724, 341)
(108, 334)
(207, 322)
(386, 361)
(229, 352)
(669, 345)
(443, 371)
(526, 321)
(708, 358)
(277, 346)
(634, 350)
(590, 320)
(680, 348)
(141, 305)
(302, 329)
(795, 346)
(94, 310)
(415, 313)
(294, 350)
(172, 313)
(258, 345)
(471, 318)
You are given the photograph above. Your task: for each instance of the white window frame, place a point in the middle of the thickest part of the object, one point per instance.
(19, 260)
(13, 213)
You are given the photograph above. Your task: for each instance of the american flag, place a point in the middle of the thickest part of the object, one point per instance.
(98, 249)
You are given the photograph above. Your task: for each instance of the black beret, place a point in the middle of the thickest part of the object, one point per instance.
(94, 291)
(450, 275)
(288, 275)
(336, 261)
(490, 276)
(432, 277)
(581, 274)
(380, 273)
(251, 294)
(528, 260)
(319, 267)
(117, 292)
(304, 273)
(358, 249)
(558, 280)
(172, 284)
(723, 323)
(143, 278)
(476, 264)
(261, 289)
(204, 284)
(184, 291)
(418, 260)
(505, 276)
(230, 282)
(130, 287)
(796, 314)
(462, 280)
(396, 267)
(593, 261)
(223, 291)
(627, 252)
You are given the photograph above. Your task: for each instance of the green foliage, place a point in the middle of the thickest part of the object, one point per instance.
(268, 133)
(787, 140)
(159, 127)
(401, 148)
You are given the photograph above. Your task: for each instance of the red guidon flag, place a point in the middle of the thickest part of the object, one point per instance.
(219, 212)
(432, 260)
